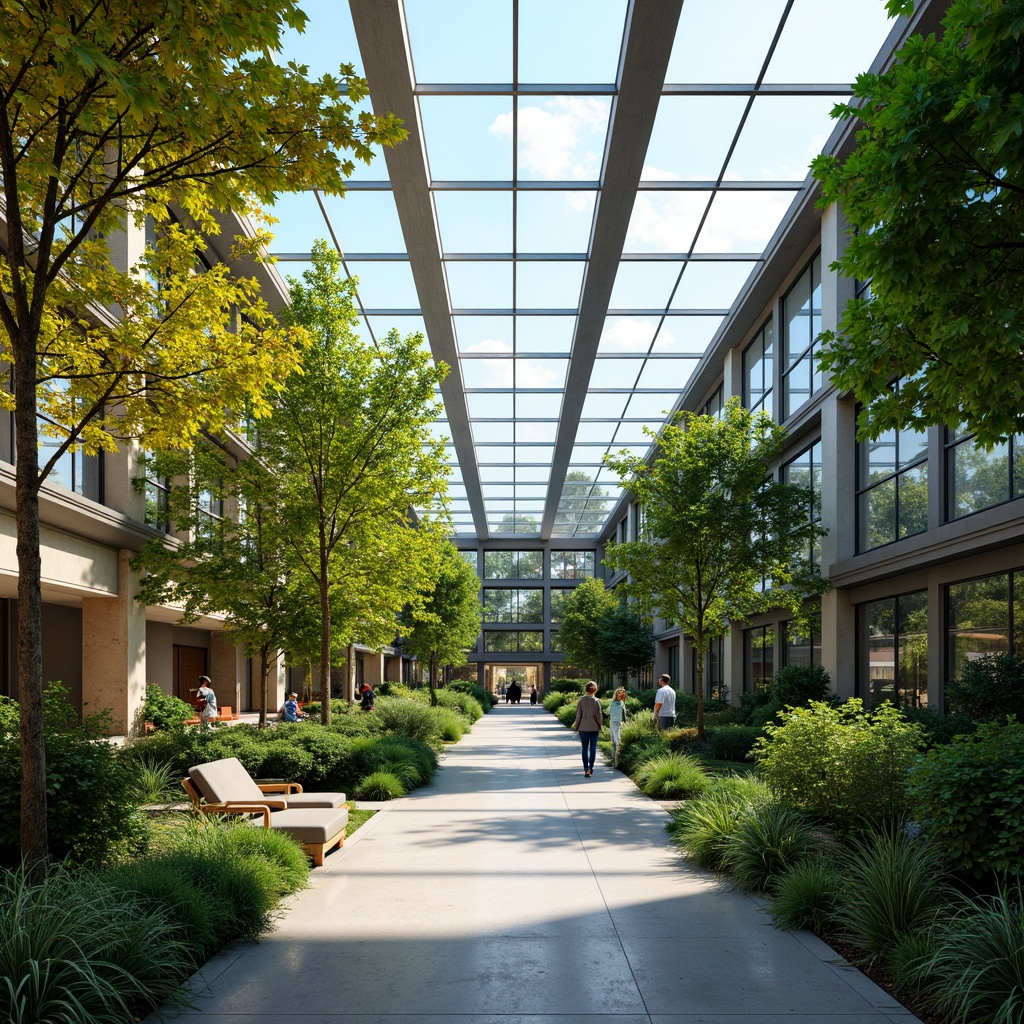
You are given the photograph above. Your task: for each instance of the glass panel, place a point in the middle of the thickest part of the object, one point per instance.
(877, 516)
(484, 333)
(644, 285)
(486, 373)
(499, 565)
(979, 618)
(742, 222)
(531, 641)
(386, 285)
(979, 478)
(549, 285)
(665, 221)
(880, 622)
(712, 119)
(474, 222)
(711, 284)
(912, 653)
(627, 333)
(554, 221)
(500, 641)
(531, 605)
(479, 285)
(499, 605)
(913, 501)
(798, 385)
(544, 333)
(460, 40)
(560, 138)
(686, 334)
(594, 27)
(468, 138)
(363, 221)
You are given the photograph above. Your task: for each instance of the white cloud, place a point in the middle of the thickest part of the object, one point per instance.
(561, 140)
(628, 336)
(665, 221)
(539, 373)
(743, 221)
(489, 345)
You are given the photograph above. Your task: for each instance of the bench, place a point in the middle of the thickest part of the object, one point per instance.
(316, 820)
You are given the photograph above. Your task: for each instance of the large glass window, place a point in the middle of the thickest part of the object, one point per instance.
(892, 487)
(471, 559)
(714, 681)
(758, 657)
(801, 325)
(805, 471)
(895, 645)
(802, 646)
(572, 565)
(210, 511)
(984, 616)
(980, 478)
(522, 641)
(758, 370)
(714, 406)
(513, 565)
(558, 603)
(73, 470)
(507, 605)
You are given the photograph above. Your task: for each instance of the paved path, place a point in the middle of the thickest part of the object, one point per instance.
(515, 891)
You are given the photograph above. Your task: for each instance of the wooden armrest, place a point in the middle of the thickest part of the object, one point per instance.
(279, 787)
(239, 809)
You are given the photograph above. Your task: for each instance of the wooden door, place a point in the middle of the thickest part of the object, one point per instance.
(189, 665)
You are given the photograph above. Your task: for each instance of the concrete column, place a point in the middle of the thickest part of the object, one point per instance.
(114, 652)
(373, 669)
(839, 642)
(732, 375)
(732, 662)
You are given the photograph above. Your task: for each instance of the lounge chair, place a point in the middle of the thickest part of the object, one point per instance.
(318, 825)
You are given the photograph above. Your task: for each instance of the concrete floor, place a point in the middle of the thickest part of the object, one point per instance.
(513, 890)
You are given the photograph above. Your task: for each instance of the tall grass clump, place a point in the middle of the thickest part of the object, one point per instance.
(406, 718)
(976, 970)
(154, 782)
(483, 697)
(772, 837)
(808, 895)
(464, 704)
(380, 785)
(672, 776)
(702, 828)
(76, 950)
(449, 724)
(639, 740)
(896, 885)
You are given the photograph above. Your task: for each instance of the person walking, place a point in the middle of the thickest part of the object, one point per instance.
(366, 697)
(616, 716)
(589, 719)
(533, 694)
(209, 710)
(665, 704)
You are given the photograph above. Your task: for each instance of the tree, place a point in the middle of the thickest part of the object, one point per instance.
(935, 194)
(109, 120)
(722, 539)
(624, 641)
(349, 440)
(236, 566)
(448, 622)
(582, 611)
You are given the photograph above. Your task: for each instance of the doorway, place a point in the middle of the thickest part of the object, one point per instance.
(189, 665)
(498, 678)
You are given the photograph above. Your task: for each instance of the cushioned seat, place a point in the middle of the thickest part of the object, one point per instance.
(227, 782)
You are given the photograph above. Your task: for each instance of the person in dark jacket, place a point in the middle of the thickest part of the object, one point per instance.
(589, 719)
(366, 697)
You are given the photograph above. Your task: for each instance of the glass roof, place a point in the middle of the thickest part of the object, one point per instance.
(587, 187)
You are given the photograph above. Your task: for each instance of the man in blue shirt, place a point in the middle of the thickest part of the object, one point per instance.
(291, 709)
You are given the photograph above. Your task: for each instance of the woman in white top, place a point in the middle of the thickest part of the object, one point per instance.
(616, 716)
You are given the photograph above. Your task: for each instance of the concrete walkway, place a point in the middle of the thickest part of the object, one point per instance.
(513, 890)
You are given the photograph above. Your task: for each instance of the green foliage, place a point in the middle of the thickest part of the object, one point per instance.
(553, 701)
(969, 798)
(989, 689)
(939, 729)
(154, 782)
(732, 742)
(78, 950)
(380, 785)
(582, 611)
(670, 775)
(976, 968)
(771, 838)
(10, 713)
(410, 760)
(164, 711)
(932, 194)
(717, 525)
(566, 711)
(90, 814)
(638, 742)
(808, 895)
(568, 686)
(703, 828)
(847, 766)
(798, 685)
(624, 640)
(407, 718)
(449, 725)
(895, 888)
(465, 704)
(686, 706)
(484, 698)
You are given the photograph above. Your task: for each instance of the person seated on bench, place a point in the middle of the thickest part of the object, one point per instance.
(291, 709)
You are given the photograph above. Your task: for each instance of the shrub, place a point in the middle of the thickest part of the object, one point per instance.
(846, 765)
(380, 785)
(732, 742)
(976, 970)
(798, 685)
(968, 797)
(90, 816)
(702, 828)
(553, 701)
(406, 718)
(895, 887)
(411, 761)
(939, 729)
(164, 711)
(76, 949)
(566, 713)
(989, 688)
(450, 725)
(772, 837)
(670, 775)
(568, 686)
(10, 716)
(287, 760)
(686, 707)
(639, 741)
(465, 705)
(483, 697)
(807, 895)
(154, 782)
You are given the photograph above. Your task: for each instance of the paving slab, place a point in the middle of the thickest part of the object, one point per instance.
(513, 890)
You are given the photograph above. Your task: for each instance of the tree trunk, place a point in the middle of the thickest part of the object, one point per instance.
(34, 845)
(700, 691)
(433, 681)
(325, 645)
(264, 671)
